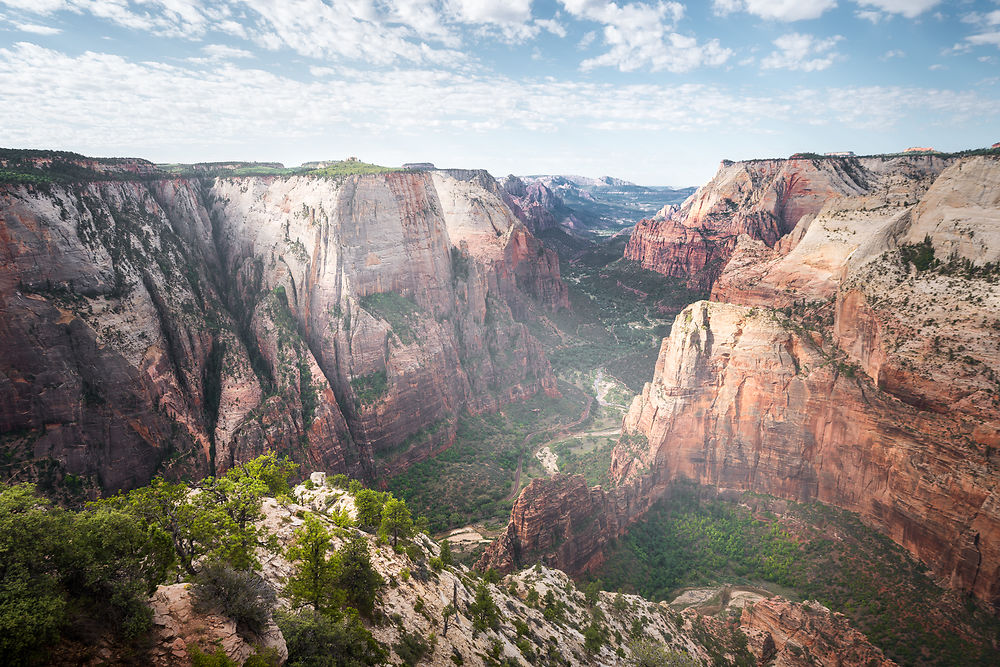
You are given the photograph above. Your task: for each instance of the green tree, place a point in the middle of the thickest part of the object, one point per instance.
(483, 610)
(446, 556)
(317, 573)
(166, 511)
(116, 565)
(369, 504)
(593, 638)
(358, 579)
(321, 640)
(32, 606)
(647, 653)
(396, 521)
(592, 592)
(238, 495)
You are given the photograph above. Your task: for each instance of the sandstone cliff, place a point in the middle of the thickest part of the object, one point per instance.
(163, 325)
(766, 200)
(542, 208)
(744, 399)
(856, 362)
(562, 523)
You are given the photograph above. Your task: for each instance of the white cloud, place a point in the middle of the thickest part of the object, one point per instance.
(937, 67)
(223, 52)
(642, 36)
(778, 10)
(893, 53)
(908, 8)
(985, 38)
(37, 29)
(987, 19)
(56, 100)
(801, 52)
(376, 31)
(871, 16)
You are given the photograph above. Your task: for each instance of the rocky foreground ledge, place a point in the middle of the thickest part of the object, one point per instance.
(543, 617)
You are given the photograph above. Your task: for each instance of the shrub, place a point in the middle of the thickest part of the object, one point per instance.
(240, 594)
(411, 647)
(318, 640)
(218, 659)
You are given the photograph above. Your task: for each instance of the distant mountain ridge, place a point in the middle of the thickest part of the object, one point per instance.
(608, 204)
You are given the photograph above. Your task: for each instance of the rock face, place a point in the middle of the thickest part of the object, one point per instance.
(179, 625)
(786, 634)
(856, 362)
(180, 325)
(874, 388)
(564, 524)
(766, 200)
(542, 208)
(741, 400)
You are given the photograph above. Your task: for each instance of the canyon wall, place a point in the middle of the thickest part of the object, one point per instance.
(852, 357)
(177, 325)
(766, 199)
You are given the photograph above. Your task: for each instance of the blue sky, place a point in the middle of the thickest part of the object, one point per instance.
(655, 92)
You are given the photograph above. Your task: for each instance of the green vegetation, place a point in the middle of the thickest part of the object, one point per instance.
(920, 255)
(370, 388)
(815, 551)
(242, 595)
(350, 168)
(483, 610)
(102, 562)
(588, 456)
(473, 478)
(401, 312)
(321, 640)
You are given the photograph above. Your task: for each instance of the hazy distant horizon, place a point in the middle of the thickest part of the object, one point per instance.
(656, 93)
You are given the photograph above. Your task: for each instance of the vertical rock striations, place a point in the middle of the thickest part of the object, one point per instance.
(180, 325)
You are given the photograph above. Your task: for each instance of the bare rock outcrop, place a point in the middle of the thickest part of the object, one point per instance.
(561, 522)
(786, 634)
(179, 627)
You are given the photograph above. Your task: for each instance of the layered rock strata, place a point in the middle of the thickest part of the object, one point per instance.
(561, 522)
(179, 325)
(766, 200)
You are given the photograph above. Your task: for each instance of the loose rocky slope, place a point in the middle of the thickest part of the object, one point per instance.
(154, 324)
(542, 619)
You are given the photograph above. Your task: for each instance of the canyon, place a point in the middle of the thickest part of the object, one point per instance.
(163, 324)
(848, 354)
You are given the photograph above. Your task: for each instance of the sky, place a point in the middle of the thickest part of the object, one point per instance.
(654, 92)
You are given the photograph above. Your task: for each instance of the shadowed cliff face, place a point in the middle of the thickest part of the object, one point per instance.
(856, 363)
(178, 326)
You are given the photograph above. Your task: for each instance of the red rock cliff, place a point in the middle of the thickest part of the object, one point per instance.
(181, 325)
(764, 199)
